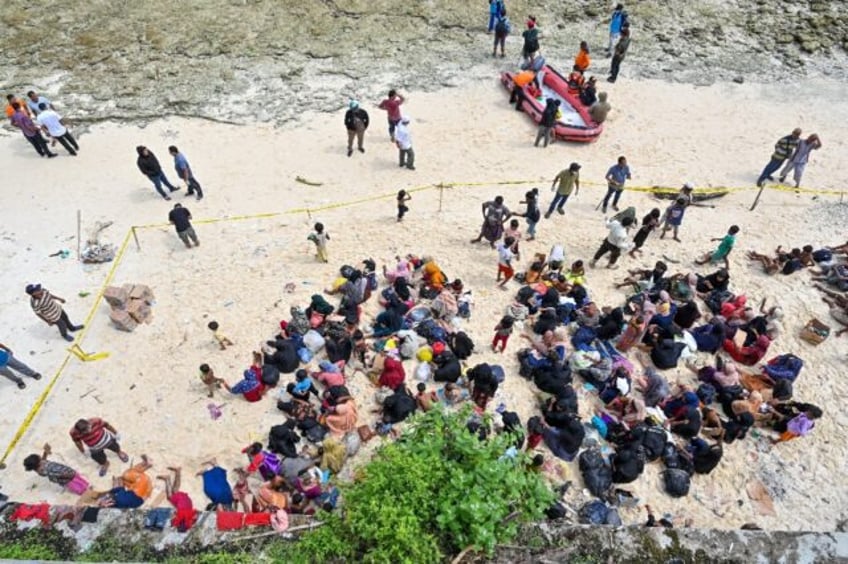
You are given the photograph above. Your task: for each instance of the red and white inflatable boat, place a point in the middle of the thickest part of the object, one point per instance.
(575, 125)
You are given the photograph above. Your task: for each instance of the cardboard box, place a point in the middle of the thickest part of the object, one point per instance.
(122, 320)
(116, 297)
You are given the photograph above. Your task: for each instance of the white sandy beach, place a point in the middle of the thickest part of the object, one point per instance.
(148, 388)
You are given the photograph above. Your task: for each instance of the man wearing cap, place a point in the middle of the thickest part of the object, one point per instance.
(569, 180)
(531, 38)
(356, 122)
(54, 124)
(403, 139)
(783, 149)
(46, 306)
(8, 362)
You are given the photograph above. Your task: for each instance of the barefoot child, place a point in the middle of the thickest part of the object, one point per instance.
(723, 250)
(320, 238)
(532, 213)
(207, 376)
(241, 490)
(514, 233)
(425, 399)
(222, 340)
(505, 262)
(57, 473)
(673, 218)
(502, 332)
(649, 223)
(402, 198)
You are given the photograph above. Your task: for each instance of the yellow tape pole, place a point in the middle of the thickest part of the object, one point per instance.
(80, 336)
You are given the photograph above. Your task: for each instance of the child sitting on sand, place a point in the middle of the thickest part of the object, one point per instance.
(723, 250)
(425, 399)
(223, 341)
(207, 376)
(320, 238)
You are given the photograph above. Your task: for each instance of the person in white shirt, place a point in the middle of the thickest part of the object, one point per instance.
(51, 122)
(34, 101)
(556, 258)
(505, 256)
(403, 139)
(798, 161)
(616, 241)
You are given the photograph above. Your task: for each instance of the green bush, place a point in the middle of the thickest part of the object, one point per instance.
(27, 551)
(434, 492)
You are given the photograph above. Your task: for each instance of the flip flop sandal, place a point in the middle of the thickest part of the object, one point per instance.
(124, 457)
(102, 471)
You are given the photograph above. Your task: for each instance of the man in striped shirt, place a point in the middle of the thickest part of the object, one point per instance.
(98, 435)
(46, 306)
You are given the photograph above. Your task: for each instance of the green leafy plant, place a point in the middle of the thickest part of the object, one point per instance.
(436, 491)
(27, 551)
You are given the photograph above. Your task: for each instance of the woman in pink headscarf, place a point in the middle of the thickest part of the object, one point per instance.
(401, 270)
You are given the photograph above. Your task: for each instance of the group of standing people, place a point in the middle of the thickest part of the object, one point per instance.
(356, 121)
(38, 115)
(794, 152)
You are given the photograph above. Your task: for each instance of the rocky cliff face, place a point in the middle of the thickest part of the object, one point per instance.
(270, 60)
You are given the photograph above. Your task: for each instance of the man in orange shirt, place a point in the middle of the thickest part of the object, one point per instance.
(582, 59)
(11, 99)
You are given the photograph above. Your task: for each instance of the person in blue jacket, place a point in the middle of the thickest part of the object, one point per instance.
(496, 10)
(618, 21)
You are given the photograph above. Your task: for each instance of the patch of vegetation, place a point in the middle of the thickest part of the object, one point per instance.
(436, 491)
(34, 544)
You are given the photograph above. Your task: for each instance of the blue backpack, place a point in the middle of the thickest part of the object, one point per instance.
(822, 255)
(784, 367)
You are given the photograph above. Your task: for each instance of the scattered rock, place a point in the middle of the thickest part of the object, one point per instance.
(738, 79)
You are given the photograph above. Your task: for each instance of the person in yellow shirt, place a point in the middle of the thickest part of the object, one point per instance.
(582, 60)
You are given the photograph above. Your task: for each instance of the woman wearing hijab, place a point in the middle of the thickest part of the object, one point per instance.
(748, 356)
(684, 415)
(632, 333)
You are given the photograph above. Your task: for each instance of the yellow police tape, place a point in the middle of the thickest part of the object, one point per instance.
(448, 185)
(36, 407)
(309, 210)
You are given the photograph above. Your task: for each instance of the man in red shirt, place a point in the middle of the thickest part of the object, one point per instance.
(392, 107)
(98, 435)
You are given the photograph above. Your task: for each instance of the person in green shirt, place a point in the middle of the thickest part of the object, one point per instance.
(569, 180)
(723, 250)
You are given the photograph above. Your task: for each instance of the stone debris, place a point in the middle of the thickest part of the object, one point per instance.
(131, 305)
